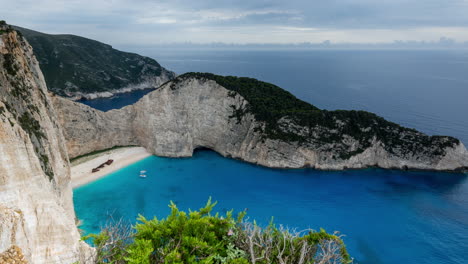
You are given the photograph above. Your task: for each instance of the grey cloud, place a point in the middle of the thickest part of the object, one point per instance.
(188, 20)
(345, 13)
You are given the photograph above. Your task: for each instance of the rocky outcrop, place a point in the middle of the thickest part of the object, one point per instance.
(193, 112)
(36, 207)
(13, 255)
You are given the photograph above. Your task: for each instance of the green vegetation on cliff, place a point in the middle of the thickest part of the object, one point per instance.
(200, 237)
(292, 120)
(72, 64)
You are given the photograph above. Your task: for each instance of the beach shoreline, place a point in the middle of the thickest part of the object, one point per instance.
(81, 169)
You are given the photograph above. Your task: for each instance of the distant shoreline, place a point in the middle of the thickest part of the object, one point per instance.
(81, 168)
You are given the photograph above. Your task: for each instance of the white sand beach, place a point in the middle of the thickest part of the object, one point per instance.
(81, 168)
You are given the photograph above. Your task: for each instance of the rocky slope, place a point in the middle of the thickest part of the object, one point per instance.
(36, 207)
(78, 67)
(255, 122)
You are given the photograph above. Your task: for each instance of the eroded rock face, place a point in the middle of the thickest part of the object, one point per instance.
(36, 206)
(185, 114)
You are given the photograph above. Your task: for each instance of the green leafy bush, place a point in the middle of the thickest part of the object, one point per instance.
(200, 237)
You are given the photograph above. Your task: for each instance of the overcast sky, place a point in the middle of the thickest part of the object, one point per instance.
(145, 22)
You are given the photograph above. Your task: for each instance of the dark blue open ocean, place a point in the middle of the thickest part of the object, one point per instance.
(387, 216)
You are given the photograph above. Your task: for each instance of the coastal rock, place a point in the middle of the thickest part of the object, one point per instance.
(13, 255)
(193, 112)
(36, 206)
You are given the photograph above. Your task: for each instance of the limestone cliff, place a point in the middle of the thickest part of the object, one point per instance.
(195, 111)
(36, 207)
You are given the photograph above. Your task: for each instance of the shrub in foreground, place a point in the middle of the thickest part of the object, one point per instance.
(200, 237)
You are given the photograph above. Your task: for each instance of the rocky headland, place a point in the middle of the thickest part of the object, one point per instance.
(256, 122)
(81, 68)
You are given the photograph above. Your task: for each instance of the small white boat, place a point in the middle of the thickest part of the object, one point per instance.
(142, 172)
(142, 175)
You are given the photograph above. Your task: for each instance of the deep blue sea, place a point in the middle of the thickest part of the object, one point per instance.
(387, 216)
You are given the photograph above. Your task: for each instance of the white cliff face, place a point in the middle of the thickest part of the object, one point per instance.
(192, 115)
(88, 130)
(36, 206)
(181, 116)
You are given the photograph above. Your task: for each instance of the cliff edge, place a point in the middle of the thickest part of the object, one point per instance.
(36, 207)
(256, 122)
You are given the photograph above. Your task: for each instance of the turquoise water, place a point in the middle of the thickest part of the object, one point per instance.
(387, 216)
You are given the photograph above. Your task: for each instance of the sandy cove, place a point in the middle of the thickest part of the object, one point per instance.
(81, 169)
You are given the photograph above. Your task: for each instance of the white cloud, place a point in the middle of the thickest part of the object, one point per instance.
(184, 16)
(156, 20)
(299, 28)
(244, 21)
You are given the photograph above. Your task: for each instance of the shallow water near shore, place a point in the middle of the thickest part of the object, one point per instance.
(387, 216)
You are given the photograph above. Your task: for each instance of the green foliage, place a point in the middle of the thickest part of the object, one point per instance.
(237, 113)
(140, 252)
(9, 64)
(193, 237)
(31, 125)
(238, 261)
(200, 237)
(10, 109)
(4, 28)
(315, 238)
(19, 89)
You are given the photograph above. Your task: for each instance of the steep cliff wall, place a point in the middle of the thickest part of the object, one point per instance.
(88, 130)
(194, 111)
(36, 207)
